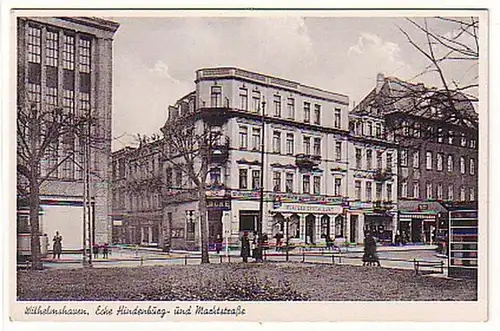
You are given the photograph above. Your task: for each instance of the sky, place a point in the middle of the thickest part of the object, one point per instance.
(155, 59)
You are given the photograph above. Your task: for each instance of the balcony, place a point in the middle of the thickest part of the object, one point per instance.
(305, 161)
(219, 153)
(381, 175)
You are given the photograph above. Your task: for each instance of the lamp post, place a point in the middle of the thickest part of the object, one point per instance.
(260, 223)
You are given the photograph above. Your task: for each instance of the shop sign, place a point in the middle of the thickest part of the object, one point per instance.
(305, 208)
(360, 205)
(218, 204)
(423, 206)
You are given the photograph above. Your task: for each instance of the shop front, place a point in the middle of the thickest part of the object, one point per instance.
(418, 222)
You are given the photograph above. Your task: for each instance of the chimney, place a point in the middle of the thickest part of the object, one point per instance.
(380, 82)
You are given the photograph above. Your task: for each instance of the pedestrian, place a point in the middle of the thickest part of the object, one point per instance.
(370, 251)
(328, 241)
(57, 246)
(245, 247)
(218, 243)
(404, 238)
(105, 251)
(95, 250)
(397, 238)
(279, 240)
(256, 246)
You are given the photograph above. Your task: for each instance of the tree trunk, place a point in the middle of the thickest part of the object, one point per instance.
(203, 224)
(34, 224)
(167, 230)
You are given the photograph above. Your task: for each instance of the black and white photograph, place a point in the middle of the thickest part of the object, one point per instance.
(205, 164)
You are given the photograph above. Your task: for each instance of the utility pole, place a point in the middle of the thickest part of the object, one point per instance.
(260, 223)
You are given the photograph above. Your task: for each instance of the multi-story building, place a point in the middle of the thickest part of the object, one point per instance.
(436, 134)
(66, 63)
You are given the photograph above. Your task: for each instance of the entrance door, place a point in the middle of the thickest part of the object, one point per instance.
(310, 220)
(353, 235)
(214, 225)
(416, 230)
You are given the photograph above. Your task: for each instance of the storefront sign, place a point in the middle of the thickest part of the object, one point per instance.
(360, 205)
(218, 204)
(305, 208)
(423, 207)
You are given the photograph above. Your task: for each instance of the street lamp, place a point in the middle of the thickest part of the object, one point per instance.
(260, 223)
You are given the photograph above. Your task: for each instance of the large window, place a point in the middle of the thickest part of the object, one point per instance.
(84, 55)
(243, 178)
(215, 176)
(317, 146)
(306, 184)
(450, 192)
(277, 142)
(369, 129)
(256, 141)
(34, 44)
(255, 179)
(291, 108)
(378, 130)
(338, 151)
(307, 112)
(428, 189)
(69, 101)
(369, 158)
(450, 163)
(440, 135)
(416, 190)
(243, 99)
(243, 137)
(428, 160)
(472, 166)
(472, 194)
(404, 158)
(216, 96)
(307, 145)
(462, 165)
(379, 159)
(389, 161)
(462, 193)
(337, 186)
(368, 191)
(404, 189)
(378, 191)
(451, 137)
(256, 101)
(416, 159)
(317, 185)
(358, 158)
(463, 140)
(289, 182)
(336, 119)
(439, 191)
(439, 161)
(277, 181)
(52, 49)
(289, 143)
(317, 114)
(277, 106)
(357, 189)
(389, 192)
(68, 52)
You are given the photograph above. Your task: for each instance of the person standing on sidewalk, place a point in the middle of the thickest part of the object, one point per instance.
(245, 247)
(57, 246)
(218, 243)
(105, 251)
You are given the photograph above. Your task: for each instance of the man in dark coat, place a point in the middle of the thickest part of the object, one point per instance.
(245, 247)
(57, 246)
(370, 251)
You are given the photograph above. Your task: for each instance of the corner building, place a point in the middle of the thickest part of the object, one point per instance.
(66, 62)
(305, 182)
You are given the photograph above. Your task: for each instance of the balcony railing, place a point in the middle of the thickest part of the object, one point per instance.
(219, 153)
(382, 175)
(306, 161)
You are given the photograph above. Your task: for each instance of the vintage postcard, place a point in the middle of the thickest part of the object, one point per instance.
(248, 165)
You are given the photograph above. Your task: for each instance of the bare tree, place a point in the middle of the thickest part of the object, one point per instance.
(41, 133)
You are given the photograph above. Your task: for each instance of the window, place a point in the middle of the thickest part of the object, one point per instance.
(277, 106)
(307, 145)
(306, 184)
(440, 135)
(243, 137)
(317, 146)
(439, 161)
(336, 119)
(439, 191)
(243, 178)
(34, 93)
(215, 96)
(69, 101)
(406, 130)
(255, 179)
(338, 151)
(51, 96)
(243, 99)
(368, 159)
(168, 177)
(416, 159)
(473, 143)
(289, 182)
(339, 227)
(370, 129)
(378, 130)
(463, 140)
(68, 52)
(357, 190)
(450, 192)
(289, 143)
(256, 141)
(316, 184)
(389, 161)
(34, 44)
(450, 163)
(472, 194)
(291, 108)
(307, 112)
(450, 137)
(462, 165)
(178, 178)
(368, 191)
(358, 158)
(215, 176)
(416, 190)
(84, 102)
(256, 101)
(379, 160)
(84, 55)
(52, 48)
(389, 192)
(276, 181)
(416, 130)
(404, 189)
(404, 158)
(428, 160)
(462, 193)
(317, 114)
(277, 142)
(428, 188)
(337, 187)
(472, 166)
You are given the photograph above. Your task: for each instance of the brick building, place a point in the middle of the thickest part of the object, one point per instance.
(66, 62)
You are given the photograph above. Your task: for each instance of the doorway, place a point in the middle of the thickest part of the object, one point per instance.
(353, 234)
(214, 225)
(310, 222)
(416, 230)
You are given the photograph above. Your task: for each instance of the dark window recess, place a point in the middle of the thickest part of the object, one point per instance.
(34, 73)
(247, 220)
(84, 82)
(51, 76)
(68, 80)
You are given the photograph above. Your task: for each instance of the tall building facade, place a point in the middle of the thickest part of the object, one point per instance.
(436, 134)
(66, 63)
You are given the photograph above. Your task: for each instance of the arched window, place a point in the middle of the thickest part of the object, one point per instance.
(339, 226)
